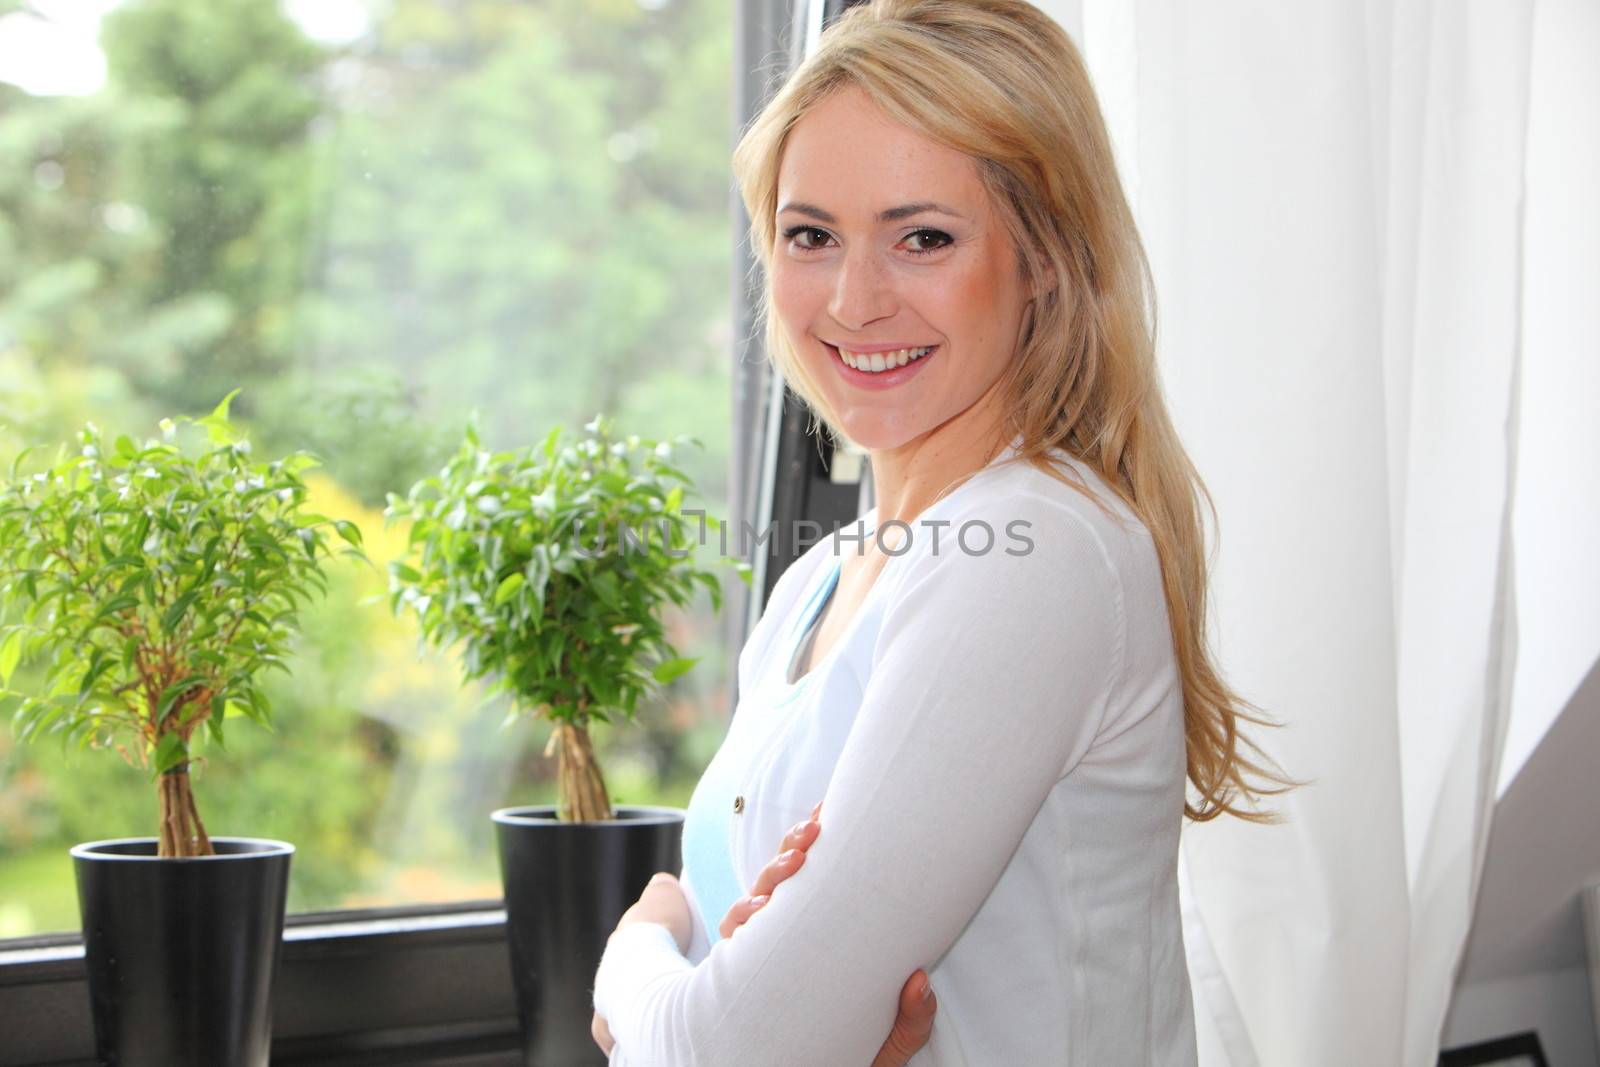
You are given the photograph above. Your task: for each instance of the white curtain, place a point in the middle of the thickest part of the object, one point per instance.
(1334, 197)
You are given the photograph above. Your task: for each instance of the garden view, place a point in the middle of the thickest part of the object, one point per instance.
(376, 231)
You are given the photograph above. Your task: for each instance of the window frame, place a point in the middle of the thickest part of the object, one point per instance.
(363, 986)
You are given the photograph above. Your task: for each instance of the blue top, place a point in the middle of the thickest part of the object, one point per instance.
(708, 822)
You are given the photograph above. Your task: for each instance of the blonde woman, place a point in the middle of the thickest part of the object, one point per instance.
(999, 687)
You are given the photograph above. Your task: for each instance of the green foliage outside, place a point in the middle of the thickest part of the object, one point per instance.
(515, 209)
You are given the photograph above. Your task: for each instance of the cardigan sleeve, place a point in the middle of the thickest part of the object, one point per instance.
(990, 678)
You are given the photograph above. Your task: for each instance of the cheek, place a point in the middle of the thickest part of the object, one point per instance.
(797, 307)
(792, 290)
(980, 303)
(962, 304)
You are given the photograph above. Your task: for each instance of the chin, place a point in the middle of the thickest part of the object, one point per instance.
(876, 433)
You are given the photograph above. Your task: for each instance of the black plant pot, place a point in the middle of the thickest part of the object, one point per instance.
(181, 953)
(566, 885)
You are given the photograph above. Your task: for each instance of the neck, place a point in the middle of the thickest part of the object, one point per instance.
(908, 479)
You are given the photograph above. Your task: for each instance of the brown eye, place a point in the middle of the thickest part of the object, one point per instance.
(794, 231)
(937, 235)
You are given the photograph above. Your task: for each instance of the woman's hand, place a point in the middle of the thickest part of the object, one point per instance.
(661, 902)
(914, 1022)
(791, 855)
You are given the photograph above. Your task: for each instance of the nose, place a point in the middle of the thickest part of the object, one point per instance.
(862, 290)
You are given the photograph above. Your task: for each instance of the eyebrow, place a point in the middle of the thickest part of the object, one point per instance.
(893, 214)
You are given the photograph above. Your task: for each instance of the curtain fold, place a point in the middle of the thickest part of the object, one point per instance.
(1332, 196)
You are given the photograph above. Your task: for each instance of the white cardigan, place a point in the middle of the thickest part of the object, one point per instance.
(998, 740)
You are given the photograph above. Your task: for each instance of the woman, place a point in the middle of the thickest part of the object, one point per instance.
(1001, 689)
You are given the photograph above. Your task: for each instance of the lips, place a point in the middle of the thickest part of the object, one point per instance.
(879, 381)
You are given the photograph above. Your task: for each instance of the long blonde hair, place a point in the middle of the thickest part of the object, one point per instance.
(1001, 82)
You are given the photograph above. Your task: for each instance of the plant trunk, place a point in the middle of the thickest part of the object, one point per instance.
(582, 789)
(182, 832)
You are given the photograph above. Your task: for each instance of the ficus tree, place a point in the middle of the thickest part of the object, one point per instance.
(550, 568)
(153, 585)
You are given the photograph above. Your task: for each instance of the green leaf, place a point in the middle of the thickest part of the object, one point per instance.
(115, 605)
(10, 654)
(170, 751)
(170, 695)
(668, 670)
(549, 445)
(99, 663)
(44, 714)
(219, 711)
(508, 588)
(349, 531)
(605, 584)
(16, 463)
(221, 410)
(255, 706)
(174, 614)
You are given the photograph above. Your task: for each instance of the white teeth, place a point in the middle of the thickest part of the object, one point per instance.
(877, 362)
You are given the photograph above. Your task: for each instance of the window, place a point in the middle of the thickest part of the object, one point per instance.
(374, 219)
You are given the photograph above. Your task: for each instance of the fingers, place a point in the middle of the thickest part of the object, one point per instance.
(913, 1025)
(791, 855)
(795, 843)
(917, 1001)
(774, 872)
(739, 914)
(601, 1032)
(800, 835)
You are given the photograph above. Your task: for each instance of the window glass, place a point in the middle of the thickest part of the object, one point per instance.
(374, 217)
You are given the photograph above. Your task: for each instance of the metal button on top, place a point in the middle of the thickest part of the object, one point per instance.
(738, 804)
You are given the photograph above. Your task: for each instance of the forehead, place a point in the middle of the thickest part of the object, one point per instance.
(847, 156)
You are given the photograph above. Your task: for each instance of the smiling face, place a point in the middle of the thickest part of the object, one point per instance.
(852, 271)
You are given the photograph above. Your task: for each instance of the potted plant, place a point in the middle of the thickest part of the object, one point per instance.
(549, 567)
(152, 586)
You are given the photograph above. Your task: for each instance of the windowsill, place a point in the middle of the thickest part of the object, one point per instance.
(423, 985)
(29, 959)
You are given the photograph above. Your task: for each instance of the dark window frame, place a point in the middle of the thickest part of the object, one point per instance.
(1523, 1045)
